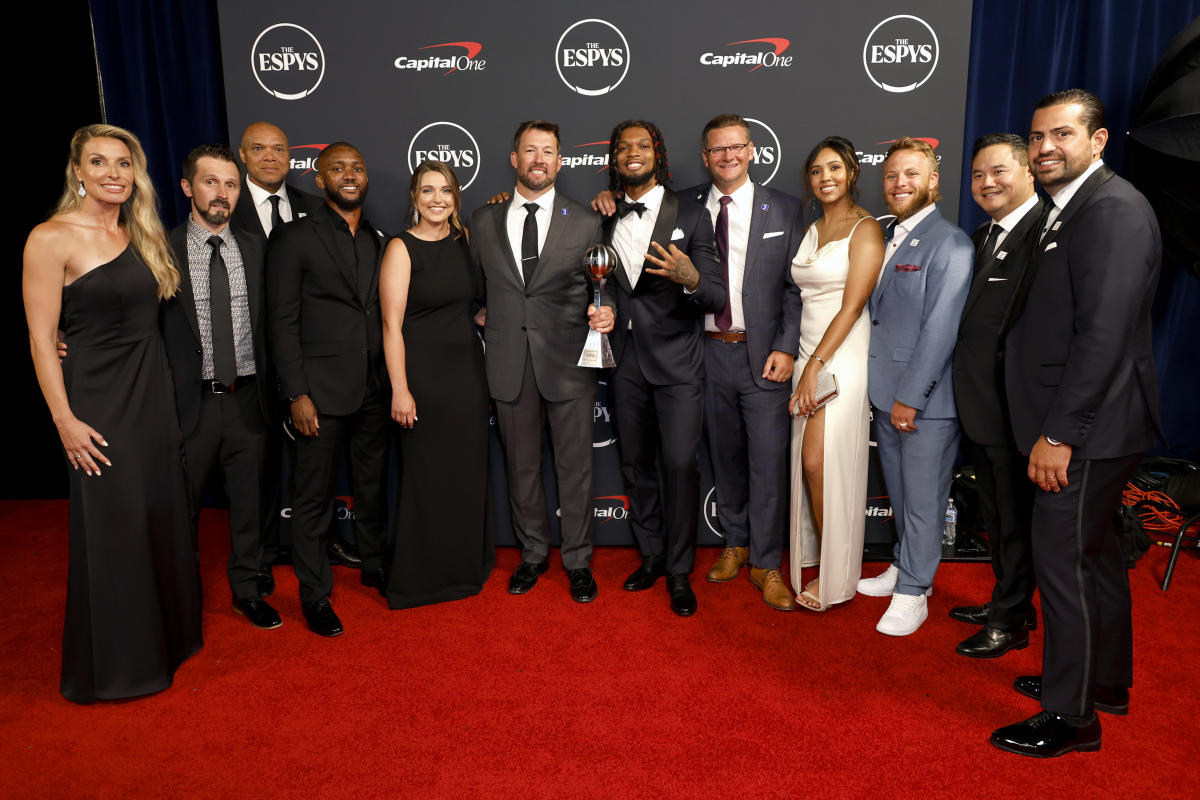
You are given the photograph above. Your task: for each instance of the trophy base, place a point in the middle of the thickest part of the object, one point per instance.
(597, 352)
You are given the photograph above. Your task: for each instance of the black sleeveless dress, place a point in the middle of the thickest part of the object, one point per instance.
(133, 586)
(443, 542)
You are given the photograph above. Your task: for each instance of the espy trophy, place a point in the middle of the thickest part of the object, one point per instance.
(599, 261)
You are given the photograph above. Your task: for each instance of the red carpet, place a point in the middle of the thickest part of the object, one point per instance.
(535, 696)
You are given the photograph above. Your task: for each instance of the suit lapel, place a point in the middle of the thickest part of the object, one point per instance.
(248, 247)
(187, 296)
(664, 226)
(325, 233)
(889, 266)
(758, 226)
(500, 219)
(1078, 200)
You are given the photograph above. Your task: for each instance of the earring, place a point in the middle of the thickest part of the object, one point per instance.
(82, 191)
(416, 217)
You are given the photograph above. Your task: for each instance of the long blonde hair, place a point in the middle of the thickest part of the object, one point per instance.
(139, 214)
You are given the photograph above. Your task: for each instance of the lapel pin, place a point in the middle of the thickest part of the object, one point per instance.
(1001, 255)
(1056, 225)
(914, 243)
(764, 206)
(563, 212)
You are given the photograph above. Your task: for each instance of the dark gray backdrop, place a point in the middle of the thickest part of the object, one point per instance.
(403, 82)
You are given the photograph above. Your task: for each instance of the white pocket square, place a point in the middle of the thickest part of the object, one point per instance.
(302, 214)
(772, 234)
(676, 234)
(1050, 247)
(993, 280)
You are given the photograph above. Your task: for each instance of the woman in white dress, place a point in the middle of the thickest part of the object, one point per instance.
(835, 268)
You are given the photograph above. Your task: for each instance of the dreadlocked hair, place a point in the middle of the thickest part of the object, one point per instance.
(662, 167)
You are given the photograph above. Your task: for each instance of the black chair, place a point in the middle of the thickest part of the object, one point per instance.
(1177, 545)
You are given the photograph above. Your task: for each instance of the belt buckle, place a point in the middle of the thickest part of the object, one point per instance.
(216, 387)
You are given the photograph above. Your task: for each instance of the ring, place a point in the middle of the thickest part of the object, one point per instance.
(903, 424)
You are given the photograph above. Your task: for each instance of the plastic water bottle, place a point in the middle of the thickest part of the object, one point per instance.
(950, 528)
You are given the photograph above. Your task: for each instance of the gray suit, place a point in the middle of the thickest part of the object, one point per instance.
(915, 311)
(534, 335)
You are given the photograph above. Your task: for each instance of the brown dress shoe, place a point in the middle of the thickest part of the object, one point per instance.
(775, 591)
(730, 561)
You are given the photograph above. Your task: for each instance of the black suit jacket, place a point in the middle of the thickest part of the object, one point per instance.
(668, 322)
(1078, 362)
(181, 332)
(994, 301)
(245, 217)
(325, 339)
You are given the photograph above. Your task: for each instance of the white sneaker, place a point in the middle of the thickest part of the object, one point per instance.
(884, 584)
(881, 585)
(904, 615)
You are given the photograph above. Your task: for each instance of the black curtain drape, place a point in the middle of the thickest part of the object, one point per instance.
(161, 67)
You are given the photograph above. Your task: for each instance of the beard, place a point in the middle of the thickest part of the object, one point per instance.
(535, 185)
(346, 203)
(217, 212)
(635, 181)
(920, 198)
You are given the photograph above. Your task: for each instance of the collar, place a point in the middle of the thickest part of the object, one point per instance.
(910, 224)
(340, 223)
(259, 195)
(1065, 194)
(1010, 220)
(545, 202)
(652, 199)
(742, 196)
(201, 235)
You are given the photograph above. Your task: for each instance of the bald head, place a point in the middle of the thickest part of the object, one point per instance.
(264, 151)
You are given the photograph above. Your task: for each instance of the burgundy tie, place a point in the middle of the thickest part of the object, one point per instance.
(724, 317)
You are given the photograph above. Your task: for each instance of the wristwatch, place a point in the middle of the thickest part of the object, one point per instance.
(1051, 442)
(294, 397)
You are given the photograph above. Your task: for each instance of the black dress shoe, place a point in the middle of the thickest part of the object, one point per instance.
(265, 583)
(1047, 735)
(645, 576)
(377, 578)
(1109, 699)
(978, 615)
(526, 576)
(683, 599)
(992, 643)
(259, 612)
(321, 619)
(341, 554)
(583, 585)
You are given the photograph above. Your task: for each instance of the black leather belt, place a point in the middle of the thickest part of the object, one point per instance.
(216, 387)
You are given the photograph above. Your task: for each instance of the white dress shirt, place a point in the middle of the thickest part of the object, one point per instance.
(903, 229)
(262, 203)
(516, 223)
(631, 234)
(1010, 220)
(740, 211)
(1059, 201)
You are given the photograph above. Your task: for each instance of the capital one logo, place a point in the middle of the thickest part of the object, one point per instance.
(768, 154)
(592, 57)
(450, 143)
(617, 507)
(597, 157)
(771, 56)
(303, 163)
(287, 61)
(450, 60)
(900, 53)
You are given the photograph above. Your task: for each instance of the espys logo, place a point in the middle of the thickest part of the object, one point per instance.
(709, 512)
(602, 428)
(768, 154)
(305, 163)
(771, 57)
(616, 507)
(878, 157)
(597, 158)
(449, 143)
(592, 57)
(287, 61)
(451, 62)
(900, 53)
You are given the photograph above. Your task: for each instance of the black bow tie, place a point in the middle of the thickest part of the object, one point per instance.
(623, 208)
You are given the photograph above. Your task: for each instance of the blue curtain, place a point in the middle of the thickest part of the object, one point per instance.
(161, 68)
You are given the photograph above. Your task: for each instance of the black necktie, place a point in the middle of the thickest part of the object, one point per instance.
(989, 244)
(276, 217)
(724, 317)
(624, 208)
(221, 316)
(529, 242)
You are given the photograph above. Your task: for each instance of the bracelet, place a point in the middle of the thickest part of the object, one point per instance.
(1051, 442)
(818, 358)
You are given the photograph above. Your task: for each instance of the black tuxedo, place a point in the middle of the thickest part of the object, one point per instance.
(245, 216)
(657, 384)
(994, 301)
(222, 428)
(1079, 369)
(327, 341)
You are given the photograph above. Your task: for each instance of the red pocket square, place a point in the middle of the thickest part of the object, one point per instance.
(908, 268)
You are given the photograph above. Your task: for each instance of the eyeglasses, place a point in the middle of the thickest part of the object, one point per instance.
(734, 149)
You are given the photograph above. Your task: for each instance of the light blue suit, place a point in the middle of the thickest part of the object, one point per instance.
(915, 311)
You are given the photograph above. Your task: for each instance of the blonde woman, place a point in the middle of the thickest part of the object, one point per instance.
(101, 264)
